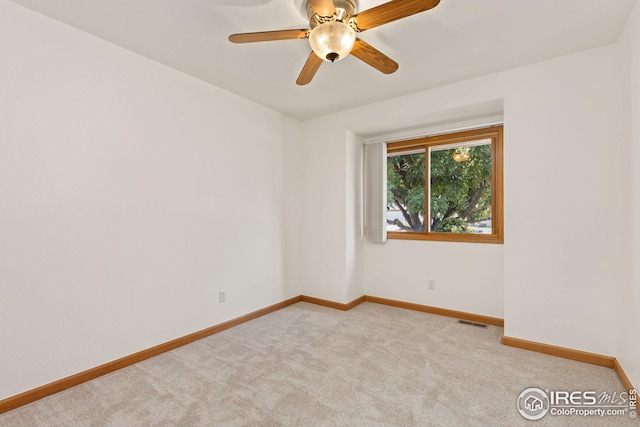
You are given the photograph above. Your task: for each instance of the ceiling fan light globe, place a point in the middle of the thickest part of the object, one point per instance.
(332, 41)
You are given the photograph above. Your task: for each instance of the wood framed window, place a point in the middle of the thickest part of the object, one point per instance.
(447, 187)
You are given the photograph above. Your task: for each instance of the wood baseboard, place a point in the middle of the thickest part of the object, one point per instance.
(624, 379)
(566, 353)
(333, 304)
(74, 380)
(440, 311)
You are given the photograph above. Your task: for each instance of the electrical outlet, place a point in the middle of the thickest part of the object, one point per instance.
(222, 296)
(432, 285)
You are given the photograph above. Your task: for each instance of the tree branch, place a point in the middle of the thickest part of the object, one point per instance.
(405, 214)
(474, 200)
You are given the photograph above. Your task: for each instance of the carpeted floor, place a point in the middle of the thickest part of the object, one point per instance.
(307, 365)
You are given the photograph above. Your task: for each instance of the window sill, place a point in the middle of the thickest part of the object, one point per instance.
(447, 237)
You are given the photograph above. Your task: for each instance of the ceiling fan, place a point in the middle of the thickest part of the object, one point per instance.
(332, 36)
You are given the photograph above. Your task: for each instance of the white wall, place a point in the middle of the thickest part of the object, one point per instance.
(469, 277)
(323, 243)
(130, 194)
(554, 279)
(354, 218)
(629, 290)
(565, 202)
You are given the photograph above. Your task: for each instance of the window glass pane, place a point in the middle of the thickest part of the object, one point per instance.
(405, 191)
(460, 187)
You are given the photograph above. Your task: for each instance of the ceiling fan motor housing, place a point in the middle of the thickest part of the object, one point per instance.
(345, 9)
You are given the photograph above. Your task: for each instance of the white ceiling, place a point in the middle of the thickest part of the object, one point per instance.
(459, 39)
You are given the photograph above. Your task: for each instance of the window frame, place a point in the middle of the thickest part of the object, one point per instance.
(495, 133)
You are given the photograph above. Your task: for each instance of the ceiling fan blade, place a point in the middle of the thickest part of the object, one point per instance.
(309, 70)
(265, 36)
(323, 7)
(372, 56)
(391, 11)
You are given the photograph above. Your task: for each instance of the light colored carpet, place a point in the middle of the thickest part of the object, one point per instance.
(307, 365)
